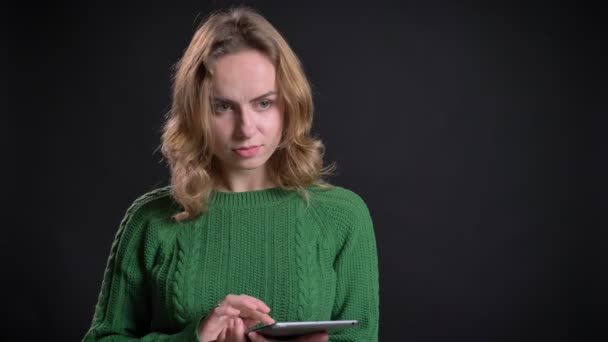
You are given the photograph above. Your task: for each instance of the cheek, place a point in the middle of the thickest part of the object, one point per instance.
(276, 125)
(220, 133)
(219, 129)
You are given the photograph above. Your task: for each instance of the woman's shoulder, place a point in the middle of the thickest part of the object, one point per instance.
(335, 195)
(336, 202)
(155, 204)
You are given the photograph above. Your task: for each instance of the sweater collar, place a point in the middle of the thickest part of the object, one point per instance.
(245, 199)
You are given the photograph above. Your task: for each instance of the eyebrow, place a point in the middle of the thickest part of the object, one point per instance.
(220, 99)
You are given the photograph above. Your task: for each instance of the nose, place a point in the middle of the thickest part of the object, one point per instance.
(245, 125)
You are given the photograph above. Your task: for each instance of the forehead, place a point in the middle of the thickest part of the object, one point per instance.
(243, 75)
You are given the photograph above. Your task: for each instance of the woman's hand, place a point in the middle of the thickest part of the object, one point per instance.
(233, 332)
(316, 337)
(249, 310)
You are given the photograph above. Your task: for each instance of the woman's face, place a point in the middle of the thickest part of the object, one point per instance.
(247, 117)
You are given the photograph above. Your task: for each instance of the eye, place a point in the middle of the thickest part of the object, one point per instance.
(221, 107)
(265, 104)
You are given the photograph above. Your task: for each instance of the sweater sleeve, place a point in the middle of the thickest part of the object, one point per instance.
(356, 265)
(122, 312)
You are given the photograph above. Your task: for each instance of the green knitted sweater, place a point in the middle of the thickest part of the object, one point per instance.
(306, 262)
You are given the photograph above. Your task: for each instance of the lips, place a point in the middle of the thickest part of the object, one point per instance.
(247, 151)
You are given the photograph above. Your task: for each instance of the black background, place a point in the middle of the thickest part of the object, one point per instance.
(472, 130)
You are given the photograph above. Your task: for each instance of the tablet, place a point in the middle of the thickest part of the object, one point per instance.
(295, 329)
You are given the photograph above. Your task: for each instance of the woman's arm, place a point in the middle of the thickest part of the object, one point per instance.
(122, 312)
(356, 265)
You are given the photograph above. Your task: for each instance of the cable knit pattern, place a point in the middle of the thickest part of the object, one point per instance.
(307, 262)
(179, 286)
(304, 271)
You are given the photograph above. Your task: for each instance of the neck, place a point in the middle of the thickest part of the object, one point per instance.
(247, 180)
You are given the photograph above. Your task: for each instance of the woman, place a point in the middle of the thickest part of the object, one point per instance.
(247, 233)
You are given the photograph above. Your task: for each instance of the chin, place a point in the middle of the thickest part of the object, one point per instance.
(249, 166)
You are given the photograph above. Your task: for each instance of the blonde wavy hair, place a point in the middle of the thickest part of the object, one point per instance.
(186, 140)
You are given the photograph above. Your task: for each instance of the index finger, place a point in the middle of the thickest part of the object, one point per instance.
(257, 316)
(258, 303)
